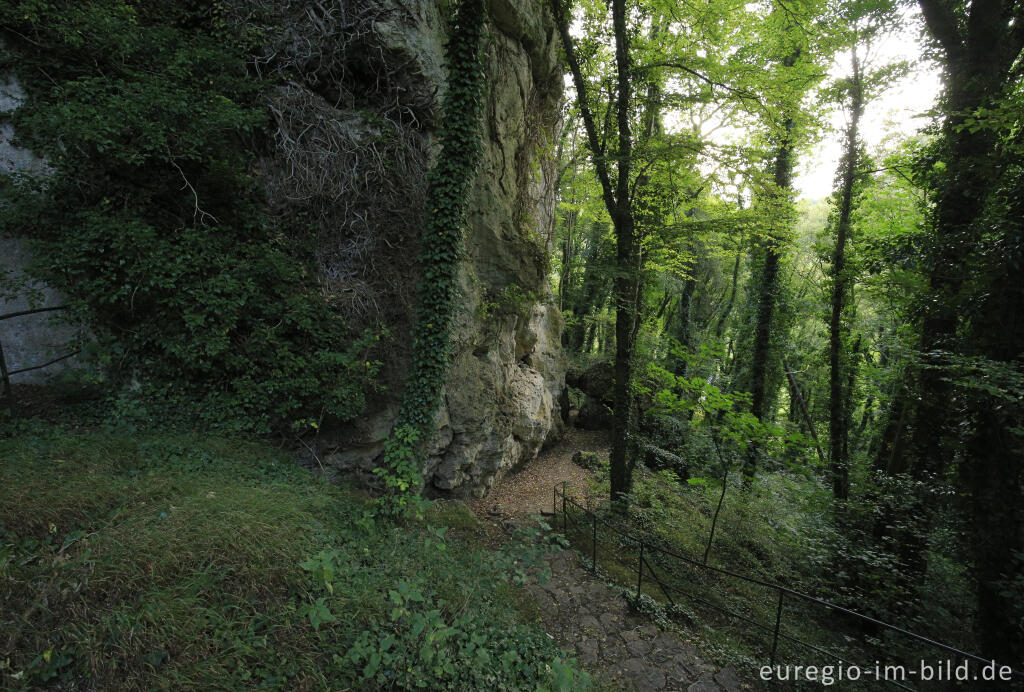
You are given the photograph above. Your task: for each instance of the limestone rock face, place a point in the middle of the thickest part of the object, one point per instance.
(30, 340)
(501, 401)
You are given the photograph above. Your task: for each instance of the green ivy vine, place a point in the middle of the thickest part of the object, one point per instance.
(441, 249)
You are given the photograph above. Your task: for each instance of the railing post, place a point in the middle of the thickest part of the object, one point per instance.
(554, 501)
(778, 624)
(565, 512)
(5, 384)
(640, 571)
(593, 557)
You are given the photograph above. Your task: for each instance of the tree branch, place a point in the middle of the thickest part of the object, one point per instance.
(943, 25)
(703, 77)
(583, 100)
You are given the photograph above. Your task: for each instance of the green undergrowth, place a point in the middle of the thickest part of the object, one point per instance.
(778, 531)
(156, 561)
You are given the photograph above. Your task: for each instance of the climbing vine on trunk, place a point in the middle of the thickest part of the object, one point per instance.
(441, 247)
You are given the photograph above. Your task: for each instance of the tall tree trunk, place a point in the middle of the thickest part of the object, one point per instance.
(618, 202)
(681, 328)
(621, 460)
(978, 55)
(794, 388)
(979, 51)
(768, 294)
(720, 323)
(890, 459)
(838, 415)
(993, 466)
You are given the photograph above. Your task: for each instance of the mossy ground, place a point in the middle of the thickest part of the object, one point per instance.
(158, 561)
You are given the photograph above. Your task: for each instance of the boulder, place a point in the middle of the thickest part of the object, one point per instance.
(595, 415)
(587, 460)
(598, 381)
(659, 459)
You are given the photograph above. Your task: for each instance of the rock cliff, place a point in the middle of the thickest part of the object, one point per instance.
(30, 340)
(354, 92)
(383, 95)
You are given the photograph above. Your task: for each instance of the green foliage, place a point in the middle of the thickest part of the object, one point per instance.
(418, 648)
(150, 219)
(441, 250)
(187, 562)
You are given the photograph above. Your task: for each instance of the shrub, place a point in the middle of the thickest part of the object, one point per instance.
(150, 219)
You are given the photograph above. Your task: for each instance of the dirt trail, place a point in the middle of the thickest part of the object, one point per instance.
(621, 647)
(528, 492)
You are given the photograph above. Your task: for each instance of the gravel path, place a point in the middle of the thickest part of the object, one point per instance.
(529, 491)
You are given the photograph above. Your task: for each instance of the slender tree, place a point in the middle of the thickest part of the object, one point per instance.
(841, 280)
(616, 193)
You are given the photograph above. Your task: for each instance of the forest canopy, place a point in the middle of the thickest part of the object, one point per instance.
(871, 344)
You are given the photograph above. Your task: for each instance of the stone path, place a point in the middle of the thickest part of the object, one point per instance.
(617, 645)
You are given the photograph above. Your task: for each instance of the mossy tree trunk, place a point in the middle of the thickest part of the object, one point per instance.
(838, 329)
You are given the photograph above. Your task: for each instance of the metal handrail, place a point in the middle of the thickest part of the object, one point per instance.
(782, 591)
(33, 311)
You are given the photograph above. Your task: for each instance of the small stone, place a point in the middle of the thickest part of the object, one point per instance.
(703, 686)
(633, 622)
(633, 666)
(643, 676)
(664, 642)
(727, 678)
(588, 650)
(608, 621)
(613, 651)
(685, 664)
(630, 635)
(638, 647)
(689, 652)
(705, 669)
(660, 657)
(649, 631)
(589, 623)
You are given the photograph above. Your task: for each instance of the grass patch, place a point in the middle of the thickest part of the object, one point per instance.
(185, 562)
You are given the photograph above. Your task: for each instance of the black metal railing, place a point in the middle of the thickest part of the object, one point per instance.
(6, 391)
(648, 551)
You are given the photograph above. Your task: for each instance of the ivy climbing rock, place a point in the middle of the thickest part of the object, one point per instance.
(440, 254)
(499, 401)
(302, 190)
